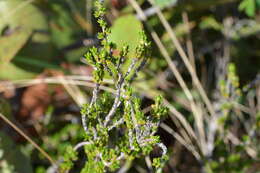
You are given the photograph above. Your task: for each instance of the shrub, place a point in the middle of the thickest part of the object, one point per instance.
(116, 128)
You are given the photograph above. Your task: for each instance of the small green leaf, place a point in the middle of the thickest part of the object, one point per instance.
(11, 44)
(22, 20)
(18, 14)
(9, 71)
(164, 3)
(249, 6)
(126, 31)
(210, 23)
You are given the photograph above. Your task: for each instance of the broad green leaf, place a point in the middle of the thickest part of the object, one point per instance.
(62, 26)
(34, 62)
(11, 44)
(20, 20)
(9, 71)
(13, 156)
(210, 23)
(126, 31)
(258, 3)
(164, 3)
(21, 14)
(249, 6)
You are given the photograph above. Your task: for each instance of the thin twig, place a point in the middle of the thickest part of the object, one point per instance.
(126, 167)
(116, 103)
(93, 100)
(194, 107)
(73, 91)
(149, 164)
(181, 119)
(95, 94)
(142, 64)
(72, 80)
(181, 140)
(185, 59)
(152, 10)
(189, 42)
(130, 68)
(167, 58)
(81, 144)
(46, 155)
(117, 123)
(250, 151)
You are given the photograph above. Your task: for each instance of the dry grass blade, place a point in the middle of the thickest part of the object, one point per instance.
(189, 42)
(190, 147)
(185, 59)
(182, 130)
(181, 118)
(250, 151)
(73, 91)
(149, 164)
(73, 80)
(194, 107)
(166, 56)
(71, 77)
(46, 155)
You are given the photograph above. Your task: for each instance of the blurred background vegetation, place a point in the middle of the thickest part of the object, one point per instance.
(205, 62)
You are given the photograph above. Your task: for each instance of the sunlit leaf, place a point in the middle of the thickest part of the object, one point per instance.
(11, 44)
(126, 31)
(210, 23)
(17, 14)
(165, 3)
(24, 31)
(9, 71)
(249, 6)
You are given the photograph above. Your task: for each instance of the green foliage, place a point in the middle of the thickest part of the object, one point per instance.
(126, 24)
(68, 157)
(230, 88)
(157, 110)
(24, 39)
(165, 3)
(119, 128)
(116, 128)
(249, 6)
(210, 22)
(233, 159)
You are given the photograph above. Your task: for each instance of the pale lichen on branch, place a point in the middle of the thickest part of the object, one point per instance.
(116, 128)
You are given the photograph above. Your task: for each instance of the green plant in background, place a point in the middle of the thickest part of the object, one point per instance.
(249, 7)
(12, 160)
(116, 128)
(117, 134)
(5, 167)
(234, 154)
